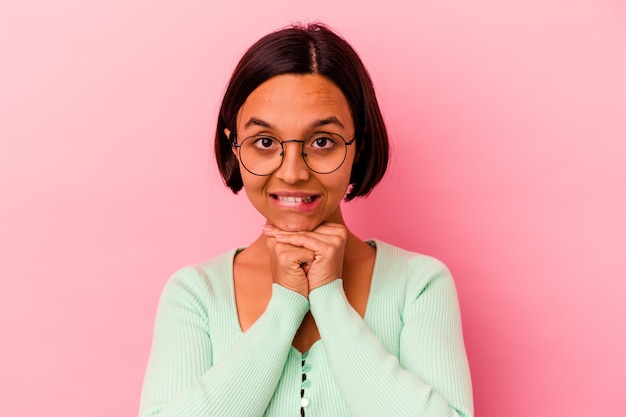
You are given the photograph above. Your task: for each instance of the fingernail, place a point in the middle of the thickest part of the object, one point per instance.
(268, 228)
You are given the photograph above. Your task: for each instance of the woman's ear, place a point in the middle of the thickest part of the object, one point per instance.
(227, 133)
(359, 147)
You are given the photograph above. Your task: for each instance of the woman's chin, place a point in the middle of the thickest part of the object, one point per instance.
(296, 226)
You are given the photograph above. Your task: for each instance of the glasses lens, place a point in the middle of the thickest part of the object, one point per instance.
(324, 152)
(261, 155)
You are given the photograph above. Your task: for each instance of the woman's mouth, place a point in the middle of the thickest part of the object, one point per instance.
(297, 202)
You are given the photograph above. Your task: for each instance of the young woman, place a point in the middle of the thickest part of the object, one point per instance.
(308, 320)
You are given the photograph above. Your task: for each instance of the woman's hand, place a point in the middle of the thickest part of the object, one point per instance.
(316, 256)
(289, 265)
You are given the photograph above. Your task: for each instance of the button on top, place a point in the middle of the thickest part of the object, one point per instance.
(305, 354)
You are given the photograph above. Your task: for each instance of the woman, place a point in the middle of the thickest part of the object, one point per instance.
(308, 320)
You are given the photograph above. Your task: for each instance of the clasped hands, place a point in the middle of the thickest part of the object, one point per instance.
(303, 261)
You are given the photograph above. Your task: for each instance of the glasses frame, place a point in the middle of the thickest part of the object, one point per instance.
(233, 141)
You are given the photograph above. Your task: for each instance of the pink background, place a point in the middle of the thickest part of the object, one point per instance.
(508, 127)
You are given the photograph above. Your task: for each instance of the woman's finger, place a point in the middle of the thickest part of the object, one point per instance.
(316, 240)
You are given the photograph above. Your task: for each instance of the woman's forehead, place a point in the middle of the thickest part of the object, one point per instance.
(311, 99)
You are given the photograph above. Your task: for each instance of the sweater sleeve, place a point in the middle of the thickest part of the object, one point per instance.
(181, 378)
(430, 378)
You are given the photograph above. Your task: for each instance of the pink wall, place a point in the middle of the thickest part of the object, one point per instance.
(508, 125)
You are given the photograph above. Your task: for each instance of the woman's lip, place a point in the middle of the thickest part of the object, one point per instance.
(293, 194)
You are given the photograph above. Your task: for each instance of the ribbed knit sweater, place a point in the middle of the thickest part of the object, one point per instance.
(406, 357)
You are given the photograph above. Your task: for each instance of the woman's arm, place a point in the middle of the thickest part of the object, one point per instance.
(182, 378)
(431, 377)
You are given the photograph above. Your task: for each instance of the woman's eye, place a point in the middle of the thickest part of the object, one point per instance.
(264, 142)
(322, 142)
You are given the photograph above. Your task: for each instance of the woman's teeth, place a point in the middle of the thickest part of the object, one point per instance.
(296, 200)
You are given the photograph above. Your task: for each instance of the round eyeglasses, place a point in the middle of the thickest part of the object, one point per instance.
(322, 152)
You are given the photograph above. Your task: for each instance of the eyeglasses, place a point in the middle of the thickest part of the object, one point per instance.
(322, 152)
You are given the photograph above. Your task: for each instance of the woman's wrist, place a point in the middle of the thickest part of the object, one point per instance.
(322, 284)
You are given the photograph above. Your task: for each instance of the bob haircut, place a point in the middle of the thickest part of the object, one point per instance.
(310, 49)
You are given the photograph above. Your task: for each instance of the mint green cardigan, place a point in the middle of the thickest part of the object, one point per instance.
(404, 358)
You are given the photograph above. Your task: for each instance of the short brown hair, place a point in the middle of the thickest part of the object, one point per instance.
(310, 49)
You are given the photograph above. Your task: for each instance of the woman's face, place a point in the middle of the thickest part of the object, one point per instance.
(294, 198)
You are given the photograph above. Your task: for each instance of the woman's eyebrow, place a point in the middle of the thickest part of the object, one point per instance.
(258, 122)
(328, 121)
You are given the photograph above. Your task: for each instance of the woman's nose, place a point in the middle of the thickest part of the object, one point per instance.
(293, 168)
